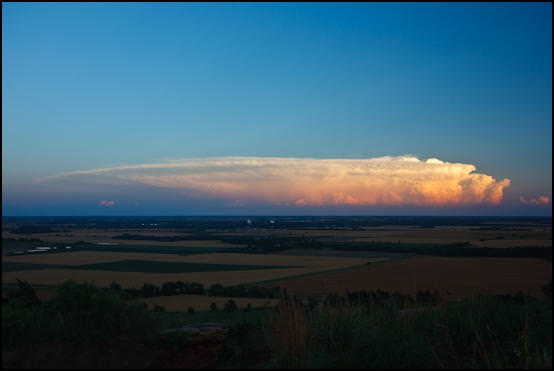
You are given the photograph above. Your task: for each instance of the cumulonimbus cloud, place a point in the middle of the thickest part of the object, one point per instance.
(401, 180)
(542, 200)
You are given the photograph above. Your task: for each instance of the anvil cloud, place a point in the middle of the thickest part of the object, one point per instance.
(402, 180)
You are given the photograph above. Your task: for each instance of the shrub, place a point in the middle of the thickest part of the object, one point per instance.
(231, 306)
(25, 292)
(175, 340)
(77, 313)
(115, 286)
(148, 290)
(547, 289)
(483, 332)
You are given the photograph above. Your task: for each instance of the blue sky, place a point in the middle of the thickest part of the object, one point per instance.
(89, 86)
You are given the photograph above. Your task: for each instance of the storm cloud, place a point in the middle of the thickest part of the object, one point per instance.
(400, 180)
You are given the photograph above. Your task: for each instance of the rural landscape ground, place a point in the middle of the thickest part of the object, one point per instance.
(276, 286)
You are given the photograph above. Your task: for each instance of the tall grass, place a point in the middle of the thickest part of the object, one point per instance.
(289, 329)
(480, 332)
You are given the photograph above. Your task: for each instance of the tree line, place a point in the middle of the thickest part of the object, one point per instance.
(195, 288)
(454, 249)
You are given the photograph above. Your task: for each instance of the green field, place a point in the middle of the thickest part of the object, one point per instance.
(15, 267)
(144, 266)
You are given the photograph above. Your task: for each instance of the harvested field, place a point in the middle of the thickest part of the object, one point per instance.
(342, 253)
(512, 243)
(133, 279)
(439, 235)
(459, 276)
(477, 238)
(146, 266)
(93, 257)
(49, 276)
(180, 303)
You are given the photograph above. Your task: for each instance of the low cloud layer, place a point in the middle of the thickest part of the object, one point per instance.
(402, 180)
(542, 200)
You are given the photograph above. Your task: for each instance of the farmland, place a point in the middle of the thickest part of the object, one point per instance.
(180, 267)
(452, 277)
(230, 251)
(280, 267)
(143, 266)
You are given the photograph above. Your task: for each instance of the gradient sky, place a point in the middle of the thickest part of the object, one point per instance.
(98, 86)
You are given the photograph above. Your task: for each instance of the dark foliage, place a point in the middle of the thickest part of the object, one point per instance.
(231, 306)
(454, 249)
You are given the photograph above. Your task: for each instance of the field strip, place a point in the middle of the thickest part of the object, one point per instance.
(94, 257)
(53, 276)
(136, 280)
(447, 275)
(353, 267)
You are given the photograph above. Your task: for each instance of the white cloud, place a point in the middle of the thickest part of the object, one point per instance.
(402, 180)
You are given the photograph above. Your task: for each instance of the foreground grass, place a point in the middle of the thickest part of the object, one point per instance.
(337, 332)
(168, 320)
(481, 332)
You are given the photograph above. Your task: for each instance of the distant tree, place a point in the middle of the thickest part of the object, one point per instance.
(132, 293)
(195, 288)
(213, 307)
(230, 306)
(216, 290)
(254, 292)
(148, 290)
(238, 291)
(169, 288)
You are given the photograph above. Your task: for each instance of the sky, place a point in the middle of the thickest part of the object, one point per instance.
(276, 108)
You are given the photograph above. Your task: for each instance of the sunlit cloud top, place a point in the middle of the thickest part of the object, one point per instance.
(402, 180)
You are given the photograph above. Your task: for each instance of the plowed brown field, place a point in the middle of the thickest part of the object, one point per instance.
(459, 276)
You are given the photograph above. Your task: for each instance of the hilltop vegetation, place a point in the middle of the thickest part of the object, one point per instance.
(359, 330)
